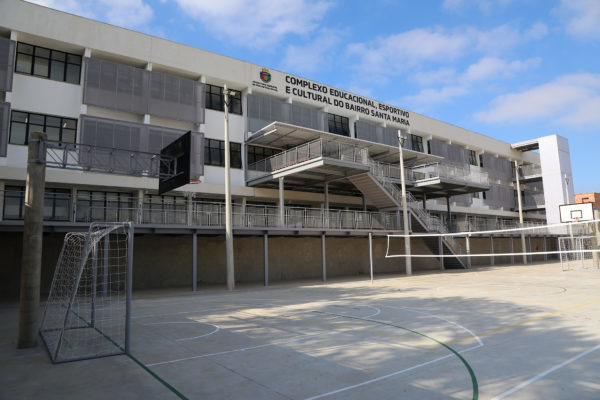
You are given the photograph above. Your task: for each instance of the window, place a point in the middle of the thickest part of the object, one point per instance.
(481, 160)
(256, 153)
(429, 147)
(48, 63)
(214, 153)
(165, 209)
(475, 195)
(215, 99)
(57, 203)
(104, 206)
(417, 143)
(56, 128)
(338, 125)
(472, 158)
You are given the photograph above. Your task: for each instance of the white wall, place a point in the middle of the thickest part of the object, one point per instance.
(556, 162)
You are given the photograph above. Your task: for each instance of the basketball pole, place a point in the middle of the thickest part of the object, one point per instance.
(33, 229)
(228, 222)
(404, 208)
(520, 212)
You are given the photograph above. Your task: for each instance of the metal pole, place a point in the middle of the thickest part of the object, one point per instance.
(326, 206)
(129, 289)
(441, 247)
(228, 222)
(33, 227)
(194, 261)
(323, 263)
(404, 208)
(567, 202)
(281, 204)
(371, 254)
(94, 280)
(491, 250)
(106, 266)
(595, 255)
(266, 257)
(468, 245)
(520, 203)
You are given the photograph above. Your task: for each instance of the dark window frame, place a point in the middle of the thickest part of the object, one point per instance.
(63, 126)
(338, 124)
(255, 154)
(58, 63)
(214, 153)
(416, 143)
(52, 198)
(87, 208)
(215, 100)
(473, 158)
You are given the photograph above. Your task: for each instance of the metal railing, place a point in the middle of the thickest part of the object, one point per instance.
(308, 151)
(428, 171)
(533, 200)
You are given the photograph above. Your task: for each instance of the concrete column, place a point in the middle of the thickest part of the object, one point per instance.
(364, 203)
(491, 250)
(194, 261)
(33, 228)
(266, 257)
(140, 207)
(190, 209)
(73, 205)
(424, 202)
(371, 255)
(323, 262)
(281, 204)
(2, 186)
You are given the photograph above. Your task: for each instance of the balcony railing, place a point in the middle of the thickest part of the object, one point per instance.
(529, 171)
(308, 151)
(533, 200)
(425, 172)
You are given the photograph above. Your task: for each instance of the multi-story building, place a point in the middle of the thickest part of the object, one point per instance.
(310, 164)
(592, 197)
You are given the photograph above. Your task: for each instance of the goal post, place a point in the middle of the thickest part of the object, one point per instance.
(88, 311)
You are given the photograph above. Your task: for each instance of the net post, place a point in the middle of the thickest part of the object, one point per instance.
(596, 229)
(468, 246)
(441, 247)
(194, 261)
(371, 255)
(129, 284)
(106, 266)
(94, 282)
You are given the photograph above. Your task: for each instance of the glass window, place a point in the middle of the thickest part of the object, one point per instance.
(338, 125)
(14, 200)
(417, 143)
(472, 157)
(214, 153)
(215, 99)
(481, 160)
(257, 153)
(48, 63)
(57, 128)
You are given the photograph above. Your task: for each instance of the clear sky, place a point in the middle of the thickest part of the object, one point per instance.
(510, 69)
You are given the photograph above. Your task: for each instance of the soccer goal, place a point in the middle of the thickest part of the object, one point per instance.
(87, 314)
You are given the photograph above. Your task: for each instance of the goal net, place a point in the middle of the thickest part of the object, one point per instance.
(568, 242)
(87, 313)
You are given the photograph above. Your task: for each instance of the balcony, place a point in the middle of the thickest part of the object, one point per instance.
(529, 172)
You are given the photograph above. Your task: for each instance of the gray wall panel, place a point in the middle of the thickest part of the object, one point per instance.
(7, 66)
(4, 125)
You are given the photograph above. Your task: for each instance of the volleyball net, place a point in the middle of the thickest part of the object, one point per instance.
(575, 244)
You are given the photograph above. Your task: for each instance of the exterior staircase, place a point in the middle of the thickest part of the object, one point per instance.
(378, 186)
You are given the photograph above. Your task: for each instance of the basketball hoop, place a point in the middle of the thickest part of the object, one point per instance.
(194, 181)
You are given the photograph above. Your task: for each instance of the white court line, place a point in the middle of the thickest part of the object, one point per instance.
(377, 311)
(201, 336)
(297, 339)
(188, 322)
(380, 378)
(443, 319)
(480, 344)
(538, 377)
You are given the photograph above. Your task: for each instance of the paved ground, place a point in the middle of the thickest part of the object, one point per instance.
(515, 332)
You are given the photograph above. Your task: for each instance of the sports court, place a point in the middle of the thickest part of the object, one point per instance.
(517, 332)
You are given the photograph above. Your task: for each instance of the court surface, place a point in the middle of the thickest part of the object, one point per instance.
(514, 332)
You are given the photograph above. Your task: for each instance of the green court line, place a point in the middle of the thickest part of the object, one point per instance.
(135, 360)
(466, 364)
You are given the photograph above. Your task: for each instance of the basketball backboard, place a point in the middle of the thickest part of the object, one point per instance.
(576, 212)
(181, 162)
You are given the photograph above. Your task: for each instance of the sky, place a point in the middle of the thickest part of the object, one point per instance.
(510, 69)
